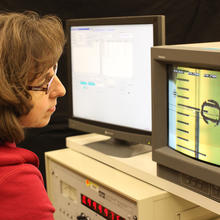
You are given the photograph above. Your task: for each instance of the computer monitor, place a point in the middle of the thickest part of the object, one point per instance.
(186, 115)
(109, 69)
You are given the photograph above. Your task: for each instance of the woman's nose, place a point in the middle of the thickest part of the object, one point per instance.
(58, 89)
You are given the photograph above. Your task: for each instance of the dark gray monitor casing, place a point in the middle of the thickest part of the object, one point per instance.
(172, 165)
(117, 132)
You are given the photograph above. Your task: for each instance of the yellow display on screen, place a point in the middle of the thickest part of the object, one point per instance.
(194, 112)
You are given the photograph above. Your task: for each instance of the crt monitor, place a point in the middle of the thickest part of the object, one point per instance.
(186, 115)
(109, 68)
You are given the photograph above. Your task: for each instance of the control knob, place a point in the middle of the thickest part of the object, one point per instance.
(82, 216)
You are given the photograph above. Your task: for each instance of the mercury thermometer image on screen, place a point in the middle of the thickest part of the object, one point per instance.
(194, 112)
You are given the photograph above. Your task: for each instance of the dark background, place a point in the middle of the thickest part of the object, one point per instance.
(187, 21)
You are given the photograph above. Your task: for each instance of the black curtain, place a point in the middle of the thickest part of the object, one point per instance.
(187, 21)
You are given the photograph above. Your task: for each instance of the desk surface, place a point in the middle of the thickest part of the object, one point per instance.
(141, 167)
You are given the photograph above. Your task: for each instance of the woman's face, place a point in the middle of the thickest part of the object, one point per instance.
(44, 105)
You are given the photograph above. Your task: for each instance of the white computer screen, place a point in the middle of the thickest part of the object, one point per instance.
(111, 74)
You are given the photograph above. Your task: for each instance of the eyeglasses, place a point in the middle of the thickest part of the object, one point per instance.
(46, 89)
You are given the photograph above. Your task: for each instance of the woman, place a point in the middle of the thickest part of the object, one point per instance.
(30, 47)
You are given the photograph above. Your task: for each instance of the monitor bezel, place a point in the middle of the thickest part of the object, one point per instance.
(115, 131)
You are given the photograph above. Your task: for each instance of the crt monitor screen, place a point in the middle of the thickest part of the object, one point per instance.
(110, 73)
(194, 112)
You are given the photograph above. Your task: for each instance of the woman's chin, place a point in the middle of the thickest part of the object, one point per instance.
(37, 124)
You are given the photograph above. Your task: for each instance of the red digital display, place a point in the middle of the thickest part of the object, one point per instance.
(100, 209)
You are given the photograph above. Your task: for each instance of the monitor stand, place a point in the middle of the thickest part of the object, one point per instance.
(117, 148)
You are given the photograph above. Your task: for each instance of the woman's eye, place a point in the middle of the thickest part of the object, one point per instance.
(42, 83)
(45, 81)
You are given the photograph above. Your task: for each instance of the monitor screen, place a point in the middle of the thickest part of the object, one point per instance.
(110, 75)
(194, 112)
